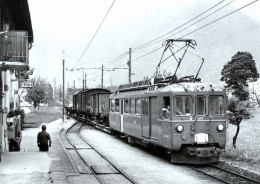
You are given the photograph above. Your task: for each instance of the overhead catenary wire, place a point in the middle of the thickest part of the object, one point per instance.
(204, 26)
(144, 45)
(95, 34)
(191, 24)
(219, 18)
(215, 21)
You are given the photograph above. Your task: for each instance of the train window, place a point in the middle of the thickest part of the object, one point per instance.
(132, 105)
(145, 106)
(183, 105)
(200, 105)
(126, 105)
(117, 105)
(112, 105)
(165, 114)
(138, 106)
(216, 105)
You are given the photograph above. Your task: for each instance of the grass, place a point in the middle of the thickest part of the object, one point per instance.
(34, 119)
(248, 141)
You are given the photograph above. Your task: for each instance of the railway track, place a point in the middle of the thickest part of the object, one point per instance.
(88, 161)
(222, 174)
(213, 171)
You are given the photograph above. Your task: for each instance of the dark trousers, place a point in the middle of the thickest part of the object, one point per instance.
(43, 147)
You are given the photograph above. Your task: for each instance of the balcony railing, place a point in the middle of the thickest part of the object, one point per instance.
(14, 50)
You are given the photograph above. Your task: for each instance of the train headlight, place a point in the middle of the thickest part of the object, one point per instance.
(180, 128)
(220, 127)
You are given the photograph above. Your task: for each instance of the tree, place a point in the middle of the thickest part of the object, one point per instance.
(237, 73)
(39, 93)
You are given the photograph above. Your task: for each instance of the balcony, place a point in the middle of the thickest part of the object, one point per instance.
(14, 51)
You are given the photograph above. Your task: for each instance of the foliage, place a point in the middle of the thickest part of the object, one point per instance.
(238, 72)
(40, 92)
(238, 110)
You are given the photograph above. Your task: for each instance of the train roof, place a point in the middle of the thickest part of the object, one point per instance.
(175, 87)
(98, 90)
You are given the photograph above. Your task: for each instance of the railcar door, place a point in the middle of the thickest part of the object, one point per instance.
(145, 118)
(153, 117)
(122, 115)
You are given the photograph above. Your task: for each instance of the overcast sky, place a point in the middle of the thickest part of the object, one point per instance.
(70, 25)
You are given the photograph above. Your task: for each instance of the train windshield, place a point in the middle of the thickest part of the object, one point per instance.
(183, 105)
(216, 105)
(200, 105)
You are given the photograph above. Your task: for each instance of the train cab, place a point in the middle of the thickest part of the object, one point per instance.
(187, 119)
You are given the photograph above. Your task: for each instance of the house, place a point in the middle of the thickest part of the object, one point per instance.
(16, 38)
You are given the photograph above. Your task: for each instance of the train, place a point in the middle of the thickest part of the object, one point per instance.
(184, 116)
(187, 118)
(91, 104)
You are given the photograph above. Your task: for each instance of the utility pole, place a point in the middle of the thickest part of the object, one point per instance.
(86, 80)
(73, 84)
(63, 64)
(60, 92)
(102, 73)
(83, 79)
(54, 83)
(129, 65)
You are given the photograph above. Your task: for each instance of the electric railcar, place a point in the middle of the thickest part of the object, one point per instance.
(187, 118)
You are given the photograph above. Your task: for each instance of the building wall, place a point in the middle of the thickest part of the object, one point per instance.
(11, 18)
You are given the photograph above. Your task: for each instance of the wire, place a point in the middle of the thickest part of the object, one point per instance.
(101, 59)
(229, 37)
(216, 20)
(219, 19)
(95, 34)
(147, 54)
(144, 45)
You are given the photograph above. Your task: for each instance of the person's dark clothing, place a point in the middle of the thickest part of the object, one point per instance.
(42, 140)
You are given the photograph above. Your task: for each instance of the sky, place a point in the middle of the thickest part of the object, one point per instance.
(69, 26)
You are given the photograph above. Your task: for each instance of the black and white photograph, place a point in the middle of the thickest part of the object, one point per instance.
(129, 91)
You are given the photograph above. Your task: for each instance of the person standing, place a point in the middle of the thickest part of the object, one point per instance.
(44, 139)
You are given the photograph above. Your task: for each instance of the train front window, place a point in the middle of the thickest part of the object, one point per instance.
(216, 105)
(183, 105)
(200, 105)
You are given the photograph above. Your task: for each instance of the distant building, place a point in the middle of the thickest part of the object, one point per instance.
(16, 38)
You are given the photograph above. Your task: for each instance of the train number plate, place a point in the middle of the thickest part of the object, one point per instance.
(201, 138)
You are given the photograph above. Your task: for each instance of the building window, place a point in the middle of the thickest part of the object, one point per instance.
(138, 106)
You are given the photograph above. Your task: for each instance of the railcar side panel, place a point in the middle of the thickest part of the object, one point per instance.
(133, 126)
(114, 121)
